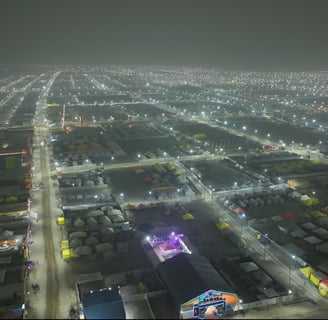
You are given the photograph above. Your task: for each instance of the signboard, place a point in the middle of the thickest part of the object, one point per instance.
(211, 304)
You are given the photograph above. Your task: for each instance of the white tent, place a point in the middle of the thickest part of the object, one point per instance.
(6, 234)
(304, 197)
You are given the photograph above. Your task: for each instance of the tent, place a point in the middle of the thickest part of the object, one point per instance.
(187, 217)
(290, 216)
(239, 210)
(222, 225)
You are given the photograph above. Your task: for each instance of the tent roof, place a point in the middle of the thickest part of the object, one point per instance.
(239, 210)
(290, 216)
(189, 275)
(187, 216)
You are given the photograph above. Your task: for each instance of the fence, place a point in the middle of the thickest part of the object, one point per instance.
(265, 302)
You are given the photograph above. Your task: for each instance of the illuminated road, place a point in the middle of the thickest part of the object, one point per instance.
(148, 162)
(52, 284)
(53, 275)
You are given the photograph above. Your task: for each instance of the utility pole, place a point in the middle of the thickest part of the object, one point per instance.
(63, 119)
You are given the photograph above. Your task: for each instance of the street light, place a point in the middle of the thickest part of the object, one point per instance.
(265, 245)
(239, 304)
(122, 198)
(243, 216)
(289, 271)
(290, 296)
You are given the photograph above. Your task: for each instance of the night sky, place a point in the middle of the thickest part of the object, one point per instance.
(241, 35)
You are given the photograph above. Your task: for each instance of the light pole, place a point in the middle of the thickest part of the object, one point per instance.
(243, 216)
(211, 190)
(226, 202)
(264, 252)
(122, 197)
(239, 304)
(265, 244)
(289, 296)
(289, 271)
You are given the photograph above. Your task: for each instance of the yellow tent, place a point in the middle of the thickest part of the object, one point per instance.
(311, 201)
(222, 225)
(67, 253)
(317, 214)
(60, 221)
(187, 216)
(11, 199)
(307, 271)
(199, 135)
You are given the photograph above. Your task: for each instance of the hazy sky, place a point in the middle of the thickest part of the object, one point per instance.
(243, 34)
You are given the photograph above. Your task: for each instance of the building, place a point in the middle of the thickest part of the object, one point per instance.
(163, 243)
(195, 286)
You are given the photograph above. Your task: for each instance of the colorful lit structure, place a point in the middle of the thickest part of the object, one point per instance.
(168, 246)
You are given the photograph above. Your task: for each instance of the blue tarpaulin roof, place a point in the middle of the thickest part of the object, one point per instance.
(105, 304)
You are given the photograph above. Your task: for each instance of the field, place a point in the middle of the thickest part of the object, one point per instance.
(156, 146)
(146, 183)
(219, 175)
(117, 143)
(279, 131)
(218, 137)
(126, 181)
